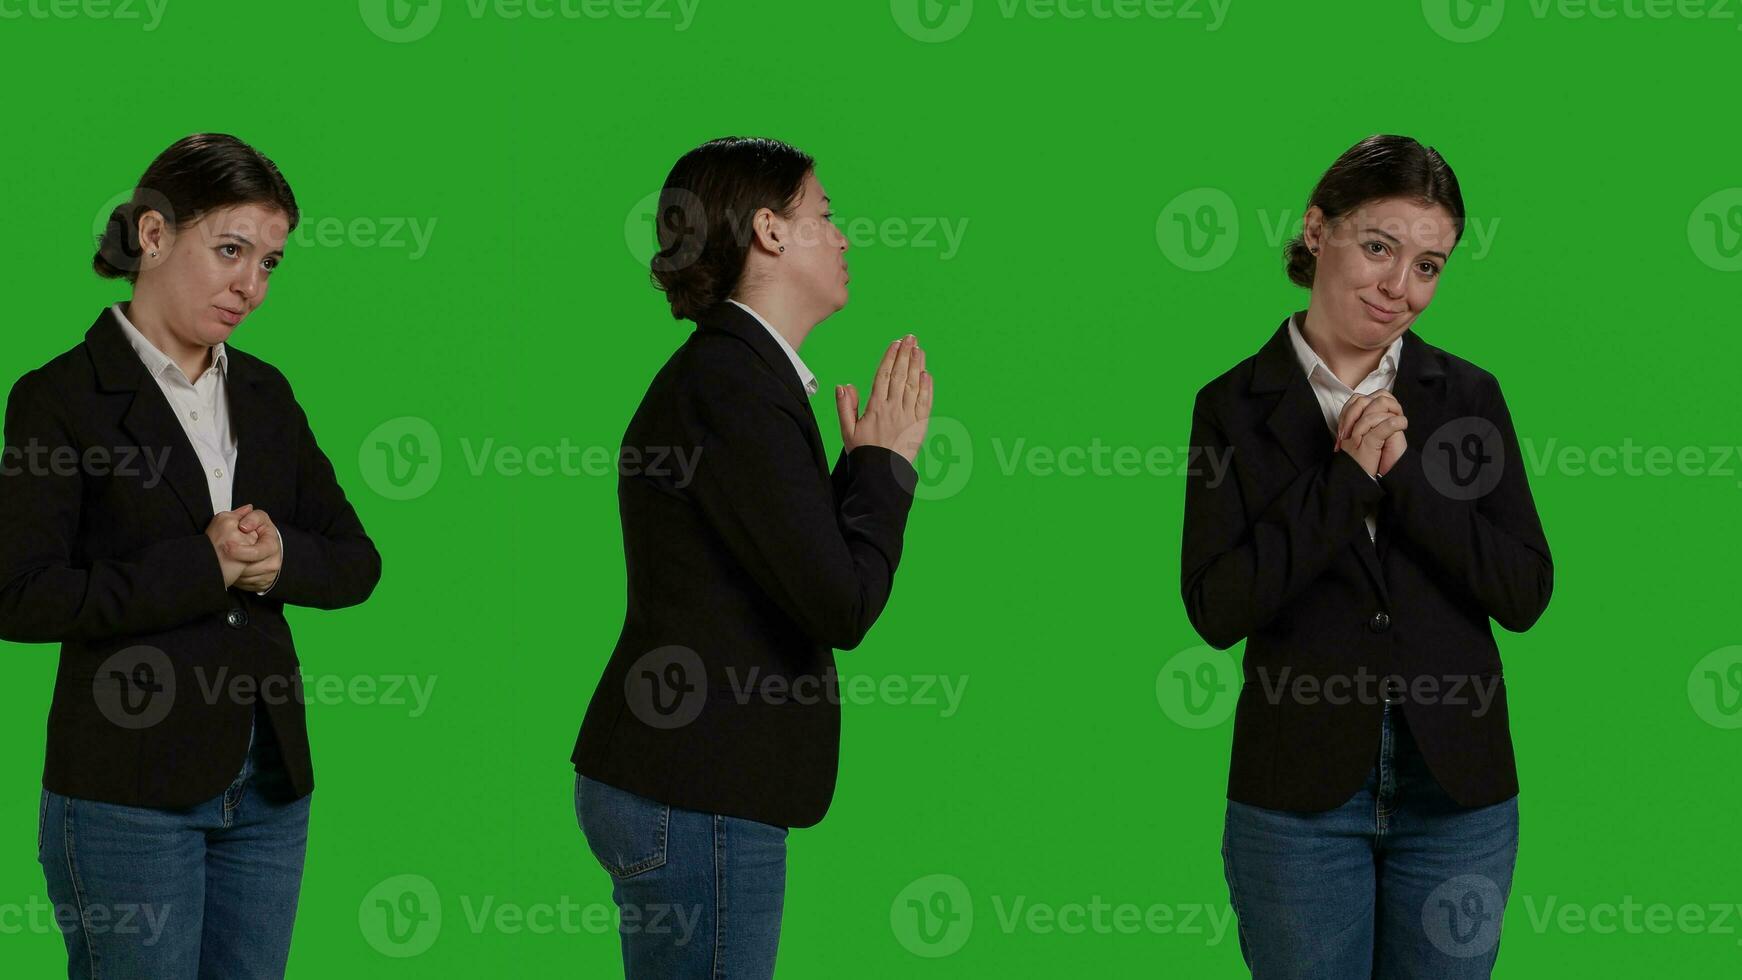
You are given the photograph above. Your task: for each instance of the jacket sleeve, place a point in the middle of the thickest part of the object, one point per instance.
(830, 568)
(1492, 547)
(46, 595)
(328, 560)
(1237, 573)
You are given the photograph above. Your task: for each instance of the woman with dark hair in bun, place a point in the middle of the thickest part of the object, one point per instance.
(162, 499)
(1374, 519)
(716, 724)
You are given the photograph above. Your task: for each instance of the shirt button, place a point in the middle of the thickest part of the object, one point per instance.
(218, 472)
(1380, 622)
(195, 415)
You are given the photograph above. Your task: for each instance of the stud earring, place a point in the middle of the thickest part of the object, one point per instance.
(783, 248)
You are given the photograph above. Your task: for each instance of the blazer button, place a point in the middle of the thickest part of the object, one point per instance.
(1380, 622)
(236, 618)
(1391, 690)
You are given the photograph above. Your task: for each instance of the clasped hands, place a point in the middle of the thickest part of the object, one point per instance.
(248, 547)
(900, 406)
(1370, 430)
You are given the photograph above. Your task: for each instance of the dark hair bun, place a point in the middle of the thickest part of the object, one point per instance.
(118, 250)
(1302, 263)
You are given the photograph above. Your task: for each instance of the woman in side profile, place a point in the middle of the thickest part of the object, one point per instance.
(1374, 519)
(716, 724)
(162, 499)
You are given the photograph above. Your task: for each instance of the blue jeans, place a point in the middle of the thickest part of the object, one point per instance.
(699, 895)
(1399, 881)
(206, 892)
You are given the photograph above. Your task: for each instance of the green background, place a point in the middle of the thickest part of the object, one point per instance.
(1589, 150)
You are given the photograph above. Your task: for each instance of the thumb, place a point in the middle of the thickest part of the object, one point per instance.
(847, 407)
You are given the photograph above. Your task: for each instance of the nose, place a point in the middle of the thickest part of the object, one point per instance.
(1392, 285)
(247, 286)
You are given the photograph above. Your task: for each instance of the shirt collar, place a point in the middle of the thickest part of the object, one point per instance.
(804, 373)
(156, 361)
(1311, 362)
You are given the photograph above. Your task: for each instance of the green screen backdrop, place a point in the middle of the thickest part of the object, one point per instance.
(1079, 208)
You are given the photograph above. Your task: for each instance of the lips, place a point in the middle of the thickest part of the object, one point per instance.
(229, 316)
(1381, 314)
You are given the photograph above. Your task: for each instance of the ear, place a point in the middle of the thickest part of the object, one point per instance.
(154, 233)
(1312, 227)
(768, 231)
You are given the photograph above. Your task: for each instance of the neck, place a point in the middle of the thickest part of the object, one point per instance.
(147, 317)
(781, 312)
(1349, 363)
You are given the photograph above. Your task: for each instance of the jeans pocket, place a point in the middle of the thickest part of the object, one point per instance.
(625, 832)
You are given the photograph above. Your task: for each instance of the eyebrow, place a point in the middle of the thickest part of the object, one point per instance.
(279, 252)
(1380, 231)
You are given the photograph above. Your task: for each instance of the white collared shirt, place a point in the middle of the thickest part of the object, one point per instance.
(203, 409)
(804, 373)
(1333, 394)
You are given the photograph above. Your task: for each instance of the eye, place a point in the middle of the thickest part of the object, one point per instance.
(270, 264)
(1380, 245)
(1429, 269)
(230, 250)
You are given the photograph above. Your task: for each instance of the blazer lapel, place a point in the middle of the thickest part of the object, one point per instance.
(1298, 423)
(261, 431)
(149, 419)
(730, 318)
(1420, 389)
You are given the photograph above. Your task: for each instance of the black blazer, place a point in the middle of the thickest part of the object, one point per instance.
(746, 569)
(161, 666)
(1277, 553)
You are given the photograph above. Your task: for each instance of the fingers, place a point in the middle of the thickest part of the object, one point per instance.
(248, 554)
(880, 386)
(1381, 428)
(845, 404)
(1351, 412)
(915, 370)
(255, 521)
(1357, 407)
(903, 359)
(922, 405)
